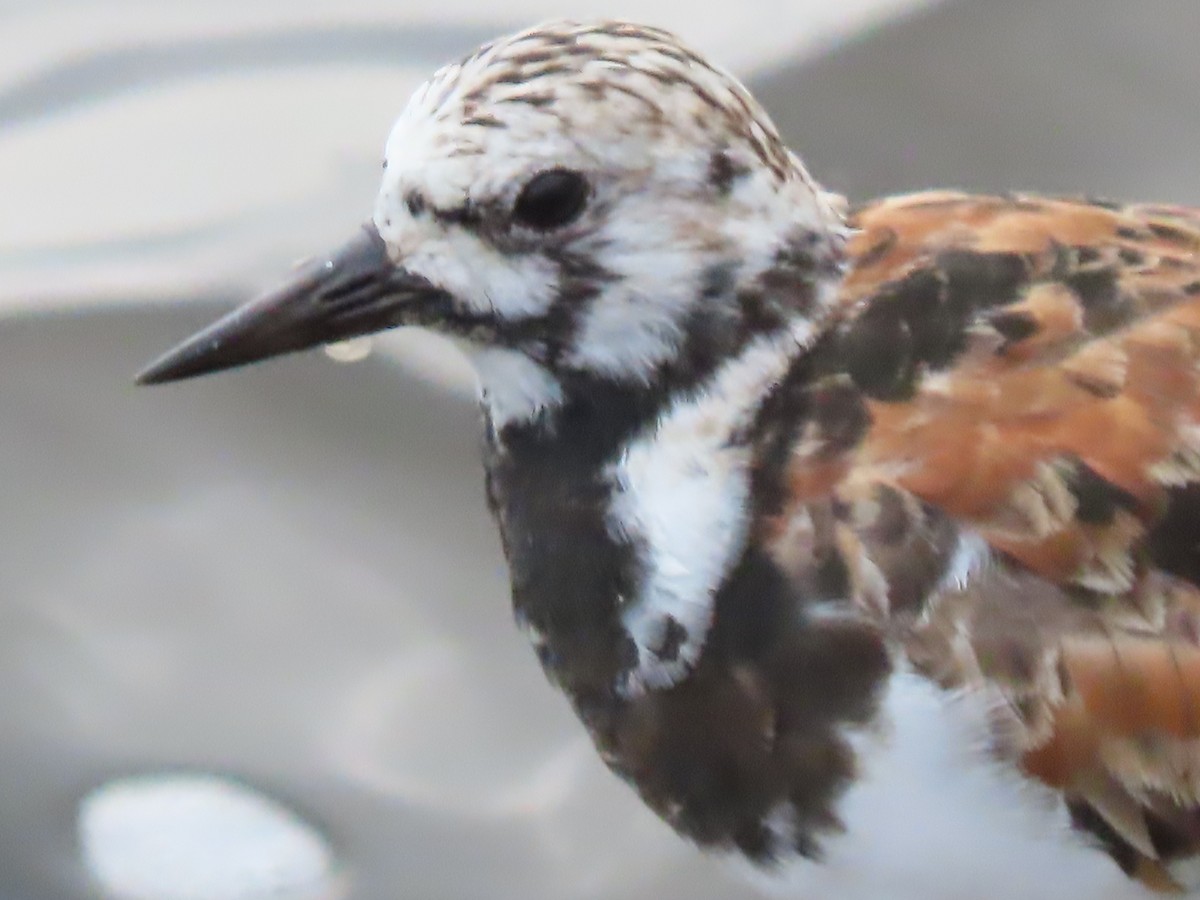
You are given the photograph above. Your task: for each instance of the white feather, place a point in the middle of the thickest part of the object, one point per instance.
(971, 553)
(681, 494)
(933, 817)
(636, 323)
(512, 386)
(481, 279)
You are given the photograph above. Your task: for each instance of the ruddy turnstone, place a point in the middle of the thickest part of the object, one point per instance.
(866, 544)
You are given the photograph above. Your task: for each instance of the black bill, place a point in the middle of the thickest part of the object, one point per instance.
(356, 291)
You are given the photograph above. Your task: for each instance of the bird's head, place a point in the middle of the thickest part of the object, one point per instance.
(575, 203)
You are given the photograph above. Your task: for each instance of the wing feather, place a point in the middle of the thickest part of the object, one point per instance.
(1032, 372)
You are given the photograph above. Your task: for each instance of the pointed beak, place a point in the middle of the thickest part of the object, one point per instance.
(356, 291)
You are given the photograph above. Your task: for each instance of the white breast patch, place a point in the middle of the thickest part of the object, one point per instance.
(681, 494)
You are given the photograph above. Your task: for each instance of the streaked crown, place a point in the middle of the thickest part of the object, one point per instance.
(585, 187)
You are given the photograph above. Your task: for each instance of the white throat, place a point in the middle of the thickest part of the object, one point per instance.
(682, 491)
(513, 387)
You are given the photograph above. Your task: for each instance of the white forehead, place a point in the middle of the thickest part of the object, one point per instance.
(605, 96)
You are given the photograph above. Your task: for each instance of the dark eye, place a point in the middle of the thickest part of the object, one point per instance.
(551, 199)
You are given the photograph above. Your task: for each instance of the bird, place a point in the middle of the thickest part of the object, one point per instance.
(863, 540)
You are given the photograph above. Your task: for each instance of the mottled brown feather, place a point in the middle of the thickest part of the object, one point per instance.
(1046, 398)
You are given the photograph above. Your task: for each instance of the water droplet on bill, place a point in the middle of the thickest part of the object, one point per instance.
(350, 351)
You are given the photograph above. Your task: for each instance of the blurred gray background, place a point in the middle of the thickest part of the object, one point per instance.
(286, 577)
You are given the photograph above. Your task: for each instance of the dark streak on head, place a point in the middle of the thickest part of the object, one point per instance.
(594, 89)
(567, 49)
(580, 280)
(415, 201)
(505, 76)
(724, 172)
(538, 101)
(531, 57)
(483, 121)
(651, 107)
(466, 215)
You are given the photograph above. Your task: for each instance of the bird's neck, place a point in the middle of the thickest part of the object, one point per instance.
(550, 488)
(633, 521)
(624, 508)
(624, 503)
(631, 524)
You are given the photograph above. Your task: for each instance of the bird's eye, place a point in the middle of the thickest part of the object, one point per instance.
(551, 199)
